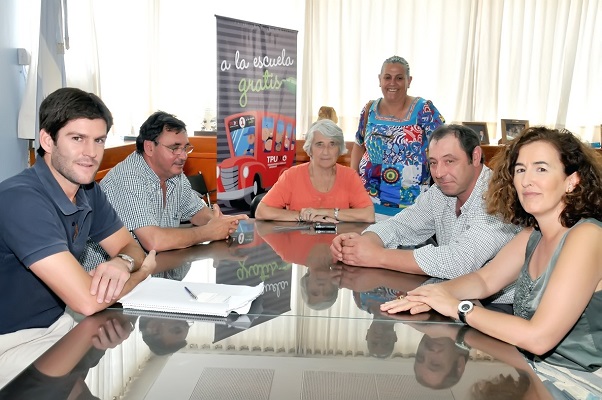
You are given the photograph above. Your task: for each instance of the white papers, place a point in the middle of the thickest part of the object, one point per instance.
(170, 296)
(237, 321)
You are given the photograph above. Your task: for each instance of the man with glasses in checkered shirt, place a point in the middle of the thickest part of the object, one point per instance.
(152, 195)
(452, 210)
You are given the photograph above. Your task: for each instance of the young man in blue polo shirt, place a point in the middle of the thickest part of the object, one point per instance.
(48, 212)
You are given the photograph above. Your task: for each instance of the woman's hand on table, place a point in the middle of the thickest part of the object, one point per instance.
(403, 304)
(315, 215)
(423, 299)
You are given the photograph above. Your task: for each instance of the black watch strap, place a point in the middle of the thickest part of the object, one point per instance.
(460, 338)
(464, 308)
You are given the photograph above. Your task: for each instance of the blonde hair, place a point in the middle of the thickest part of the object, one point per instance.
(326, 112)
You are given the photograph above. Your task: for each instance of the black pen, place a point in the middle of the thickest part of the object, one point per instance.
(190, 293)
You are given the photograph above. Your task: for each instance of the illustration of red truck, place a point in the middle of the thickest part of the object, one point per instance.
(262, 145)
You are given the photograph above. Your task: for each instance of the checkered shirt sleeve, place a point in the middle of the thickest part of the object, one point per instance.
(465, 242)
(135, 192)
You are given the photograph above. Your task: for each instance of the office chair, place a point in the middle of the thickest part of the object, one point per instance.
(197, 182)
(254, 203)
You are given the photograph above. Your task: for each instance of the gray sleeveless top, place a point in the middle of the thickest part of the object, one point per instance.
(581, 348)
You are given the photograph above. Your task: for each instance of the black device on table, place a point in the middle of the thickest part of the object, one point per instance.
(325, 227)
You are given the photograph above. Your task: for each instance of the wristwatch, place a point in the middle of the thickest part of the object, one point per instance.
(464, 308)
(128, 259)
(460, 338)
(336, 214)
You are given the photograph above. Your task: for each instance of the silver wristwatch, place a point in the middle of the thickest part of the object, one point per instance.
(128, 259)
(464, 308)
(336, 214)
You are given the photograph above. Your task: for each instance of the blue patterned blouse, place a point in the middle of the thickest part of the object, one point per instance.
(394, 168)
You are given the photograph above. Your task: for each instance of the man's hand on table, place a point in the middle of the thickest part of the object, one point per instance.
(222, 226)
(109, 278)
(355, 249)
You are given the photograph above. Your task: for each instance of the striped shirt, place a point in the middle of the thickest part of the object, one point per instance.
(465, 242)
(134, 190)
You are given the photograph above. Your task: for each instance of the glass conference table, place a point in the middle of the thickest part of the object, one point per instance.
(315, 333)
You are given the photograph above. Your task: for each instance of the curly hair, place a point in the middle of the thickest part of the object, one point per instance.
(501, 387)
(585, 201)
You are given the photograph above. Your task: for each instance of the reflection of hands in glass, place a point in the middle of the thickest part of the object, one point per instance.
(437, 330)
(406, 317)
(103, 330)
(224, 253)
(360, 279)
(61, 370)
(112, 333)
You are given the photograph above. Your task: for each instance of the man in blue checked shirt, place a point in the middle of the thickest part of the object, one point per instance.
(452, 210)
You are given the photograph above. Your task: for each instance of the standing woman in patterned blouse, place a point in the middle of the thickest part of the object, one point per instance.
(550, 183)
(391, 141)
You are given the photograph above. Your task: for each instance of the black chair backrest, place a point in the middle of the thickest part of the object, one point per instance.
(254, 203)
(197, 182)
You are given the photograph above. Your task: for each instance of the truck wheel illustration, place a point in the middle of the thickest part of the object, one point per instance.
(257, 189)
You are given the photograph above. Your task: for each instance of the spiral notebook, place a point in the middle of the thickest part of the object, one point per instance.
(233, 320)
(194, 298)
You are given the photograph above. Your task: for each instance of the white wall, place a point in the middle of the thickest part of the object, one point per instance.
(13, 151)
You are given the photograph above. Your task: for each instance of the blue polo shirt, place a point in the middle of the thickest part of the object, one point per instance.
(37, 220)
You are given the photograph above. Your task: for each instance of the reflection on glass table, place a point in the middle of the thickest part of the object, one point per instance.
(315, 333)
(108, 356)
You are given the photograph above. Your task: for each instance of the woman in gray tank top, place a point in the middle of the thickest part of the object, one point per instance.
(550, 183)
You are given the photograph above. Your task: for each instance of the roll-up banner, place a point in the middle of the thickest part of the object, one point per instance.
(256, 108)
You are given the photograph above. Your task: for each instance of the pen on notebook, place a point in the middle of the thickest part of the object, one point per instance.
(190, 293)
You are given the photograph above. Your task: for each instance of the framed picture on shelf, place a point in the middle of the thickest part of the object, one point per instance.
(512, 127)
(480, 128)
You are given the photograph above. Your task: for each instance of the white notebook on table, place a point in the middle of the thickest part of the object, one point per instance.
(170, 296)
